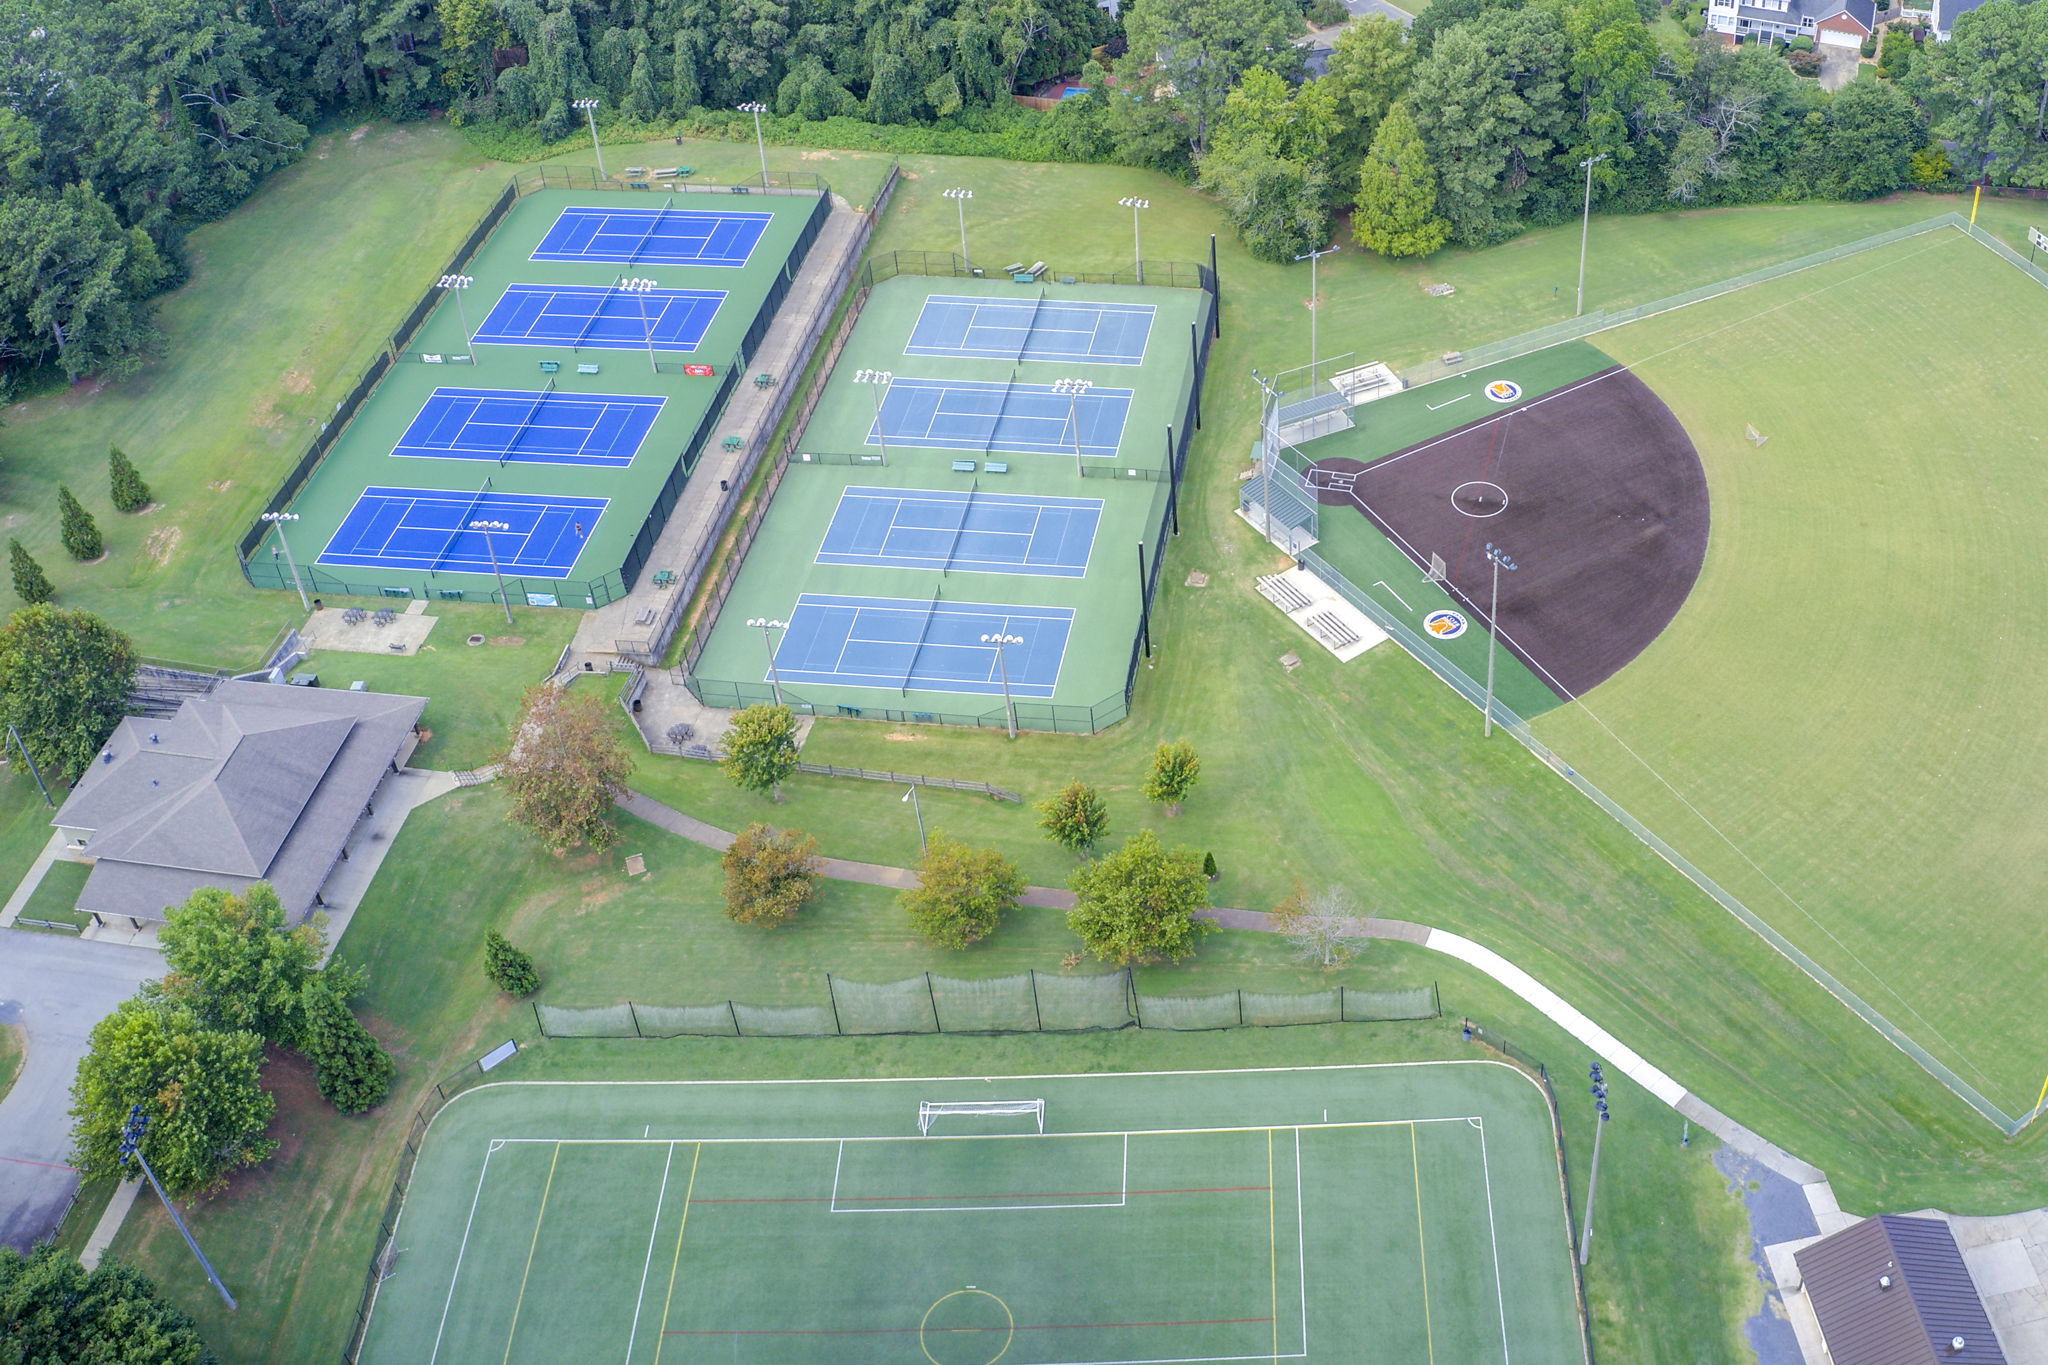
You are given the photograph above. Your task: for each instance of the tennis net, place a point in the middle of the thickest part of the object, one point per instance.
(461, 524)
(603, 302)
(931, 610)
(989, 442)
(966, 511)
(1030, 324)
(653, 227)
(526, 422)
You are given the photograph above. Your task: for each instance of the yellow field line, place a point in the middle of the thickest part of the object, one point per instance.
(1421, 1242)
(661, 1336)
(1273, 1243)
(520, 1302)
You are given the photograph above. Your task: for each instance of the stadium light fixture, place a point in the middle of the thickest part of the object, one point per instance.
(1500, 559)
(487, 527)
(589, 108)
(640, 287)
(456, 284)
(1073, 389)
(1135, 204)
(278, 520)
(1003, 667)
(756, 108)
(1314, 298)
(132, 1131)
(877, 380)
(764, 625)
(918, 807)
(1586, 226)
(960, 198)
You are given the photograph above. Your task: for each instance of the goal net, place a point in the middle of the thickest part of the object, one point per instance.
(929, 1111)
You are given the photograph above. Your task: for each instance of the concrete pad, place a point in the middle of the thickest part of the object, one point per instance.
(2002, 1267)
(408, 630)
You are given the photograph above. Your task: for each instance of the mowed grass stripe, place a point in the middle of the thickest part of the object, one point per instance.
(1837, 726)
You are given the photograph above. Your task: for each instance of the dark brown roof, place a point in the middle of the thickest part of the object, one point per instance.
(1931, 1299)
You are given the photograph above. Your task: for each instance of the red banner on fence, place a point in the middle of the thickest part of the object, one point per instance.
(700, 371)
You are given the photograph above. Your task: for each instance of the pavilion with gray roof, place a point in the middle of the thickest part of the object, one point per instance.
(251, 782)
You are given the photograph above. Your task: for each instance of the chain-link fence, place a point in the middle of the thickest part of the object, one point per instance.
(1028, 1002)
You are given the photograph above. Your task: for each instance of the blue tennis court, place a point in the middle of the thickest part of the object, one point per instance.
(653, 236)
(601, 318)
(538, 426)
(935, 646)
(428, 528)
(976, 532)
(1032, 329)
(1022, 419)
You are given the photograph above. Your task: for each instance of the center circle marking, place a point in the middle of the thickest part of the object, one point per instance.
(1009, 1327)
(1483, 494)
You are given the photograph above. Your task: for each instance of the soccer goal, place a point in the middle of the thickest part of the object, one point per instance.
(929, 1111)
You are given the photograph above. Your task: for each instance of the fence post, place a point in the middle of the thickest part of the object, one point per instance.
(1031, 974)
(543, 1028)
(1240, 1007)
(634, 1015)
(734, 1012)
(833, 996)
(1195, 392)
(1216, 292)
(1436, 994)
(933, 996)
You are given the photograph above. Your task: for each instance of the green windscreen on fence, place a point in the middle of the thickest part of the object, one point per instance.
(674, 1021)
(1367, 1007)
(787, 1021)
(1189, 1011)
(1084, 1002)
(601, 1021)
(1307, 1007)
(889, 1007)
(1001, 1005)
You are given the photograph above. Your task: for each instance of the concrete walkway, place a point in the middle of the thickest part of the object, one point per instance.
(746, 415)
(1553, 1006)
(103, 1232)
(30, 880)
(400, 795)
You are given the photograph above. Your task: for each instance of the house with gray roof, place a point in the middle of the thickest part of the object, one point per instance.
(1894, 1291)
(1942, 14)
(1838, 23)
(250, 782)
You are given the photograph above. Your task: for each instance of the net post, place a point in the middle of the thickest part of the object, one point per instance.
(932, 996)
(1137, 1001)
(1436, 994)
(833, 996)
(733, 1010)
(1031, 974)
(536, 1018)
(634, 1015)
(1195, 389)
(1215, 292)
(1144, 604)
(1172, 484)
(1240, 1006)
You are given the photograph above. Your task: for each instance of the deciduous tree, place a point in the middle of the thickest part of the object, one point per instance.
(351, 1068)
(1396, 210)
(233, 962)
(1191, 52)
(1074, 817)
(52, 1312)
(1321, 926)
(64, 683)
(198, 1086)
(564, 766)
(962, 893)
(769, 874)
(760, 748)
(1138, 904)
(1175, 766)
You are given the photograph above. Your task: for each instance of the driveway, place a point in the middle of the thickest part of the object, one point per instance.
(1838, 66)
(56, 988)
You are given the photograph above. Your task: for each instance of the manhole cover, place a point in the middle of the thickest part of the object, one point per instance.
(474, 640)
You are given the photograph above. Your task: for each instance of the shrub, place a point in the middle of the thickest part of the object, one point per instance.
(510, 969)
(1074, 817)
(1868, 47)
(1804, 63)
(125, 483)
(1323, 13)
(353, 1071)
(76, 528)
(1801, 44)
(1175, 766)
(31, 584)
(1209, 866)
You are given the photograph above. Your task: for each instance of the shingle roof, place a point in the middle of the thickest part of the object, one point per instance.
(1863, 12)
(251, 782)
(1929, 1302)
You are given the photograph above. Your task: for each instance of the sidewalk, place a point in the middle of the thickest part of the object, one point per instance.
(31, 879)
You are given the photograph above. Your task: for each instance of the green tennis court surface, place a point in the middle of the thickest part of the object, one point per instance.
(1405, 1213)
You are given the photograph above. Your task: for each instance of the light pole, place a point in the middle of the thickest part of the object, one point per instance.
(764, 625)
(1500, 559)
(1586, 226)
(1599, 1089)
(278, 520)
(1134, 204)
(589, 108)
(504, 598)
(1314, 298)
(455, 284)
(1003, 667)
(877, 380)
(960, 198)
(918, 806)
(640, 287)
(131, 1146)
(760, 143)
(1073, 389)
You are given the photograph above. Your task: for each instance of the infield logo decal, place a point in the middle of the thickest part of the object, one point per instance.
(1444, 625)
(1503, 390)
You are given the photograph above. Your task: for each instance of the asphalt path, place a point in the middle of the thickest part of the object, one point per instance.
(56, 988)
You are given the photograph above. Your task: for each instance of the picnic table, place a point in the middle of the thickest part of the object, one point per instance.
(764, 380)
(664, 578)
(732, 443)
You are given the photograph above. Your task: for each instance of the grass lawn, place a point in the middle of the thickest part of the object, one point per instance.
(292, 1239)
(1881, 518)
(56, 896)
(24, 824)
(13, 1047)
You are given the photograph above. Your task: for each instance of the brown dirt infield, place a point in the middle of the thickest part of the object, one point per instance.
(1594, 490)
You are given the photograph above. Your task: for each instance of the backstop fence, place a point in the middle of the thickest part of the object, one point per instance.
(1275, 501)
(1028, 1002)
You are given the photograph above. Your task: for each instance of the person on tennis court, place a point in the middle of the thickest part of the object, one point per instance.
(579, 530)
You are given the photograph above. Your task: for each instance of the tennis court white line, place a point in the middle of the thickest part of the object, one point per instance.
(1493, 1239)
(639, 1300)
(455, 1275)
(1301, 1239)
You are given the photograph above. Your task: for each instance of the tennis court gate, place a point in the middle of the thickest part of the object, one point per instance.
(1028, 1002)
(1030, 715)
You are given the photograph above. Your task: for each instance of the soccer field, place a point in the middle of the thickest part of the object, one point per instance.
(1839, 725)
(1184, 1217)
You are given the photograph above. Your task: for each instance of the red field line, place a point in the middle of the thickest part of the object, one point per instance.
(1040, 1194)
(891, 1331)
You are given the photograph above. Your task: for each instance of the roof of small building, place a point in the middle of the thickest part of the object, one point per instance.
(1894, 1291)
(251, 782)
(1863, 12)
